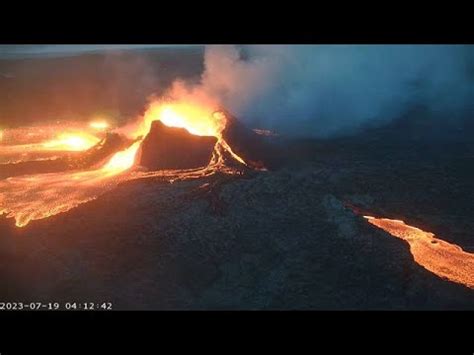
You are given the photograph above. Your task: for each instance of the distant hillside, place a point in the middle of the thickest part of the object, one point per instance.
(114, 84)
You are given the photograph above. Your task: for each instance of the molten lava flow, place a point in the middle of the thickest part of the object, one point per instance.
(28, 198)
(46, 142)
(71, 142)
(441, 258)
(122, 161)
(99, 125)
(33, 197)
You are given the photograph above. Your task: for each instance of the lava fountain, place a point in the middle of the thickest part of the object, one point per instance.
(444, 259)
(34, 197)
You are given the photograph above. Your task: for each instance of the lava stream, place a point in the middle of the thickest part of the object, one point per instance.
(43, 142)
(441, 258)
(33, 197)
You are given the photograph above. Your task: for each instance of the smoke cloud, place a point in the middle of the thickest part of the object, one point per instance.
(322, 90)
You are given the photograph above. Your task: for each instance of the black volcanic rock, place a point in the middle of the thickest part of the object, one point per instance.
(250, 146)
(175, 148)
(284, 241)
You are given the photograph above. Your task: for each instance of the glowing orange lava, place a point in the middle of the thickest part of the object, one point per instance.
(99, 125)
(46, 142)
(78, 141)
(441, 258)
(201, 120)
(33, 197)
(196, 119)
(122, 161)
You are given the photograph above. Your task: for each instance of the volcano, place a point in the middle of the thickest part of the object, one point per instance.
(163, 200)
(172, 141)
(275, 220)
(175, 148)
(251, 146)
(166, 147)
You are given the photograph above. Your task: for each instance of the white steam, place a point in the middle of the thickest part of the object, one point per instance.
(321, 90)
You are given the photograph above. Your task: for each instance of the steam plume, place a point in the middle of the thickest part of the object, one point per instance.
(322, 90)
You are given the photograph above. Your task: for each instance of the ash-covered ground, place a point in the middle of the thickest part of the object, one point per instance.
(270, 240)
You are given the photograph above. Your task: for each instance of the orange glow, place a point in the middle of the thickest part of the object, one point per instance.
(28, 198)
(197, 120)
(123, 160)
(46, 141)
(441, 258)
(201, 120)
(99, 125)
(72, 142)
(34, 197)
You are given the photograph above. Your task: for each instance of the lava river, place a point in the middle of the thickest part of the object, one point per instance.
(445, 260)
(33, 197)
